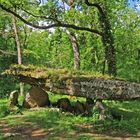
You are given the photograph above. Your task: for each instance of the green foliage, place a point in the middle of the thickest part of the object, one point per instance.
(52, 48)
(4, 111)
(66, 125)
(6, 53)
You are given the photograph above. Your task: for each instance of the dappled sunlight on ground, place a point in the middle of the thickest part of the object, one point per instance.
(42, 125)
(52, 123)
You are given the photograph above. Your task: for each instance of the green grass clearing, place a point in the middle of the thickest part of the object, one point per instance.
(59, 125)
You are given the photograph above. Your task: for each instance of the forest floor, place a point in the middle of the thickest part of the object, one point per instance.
(52, 124)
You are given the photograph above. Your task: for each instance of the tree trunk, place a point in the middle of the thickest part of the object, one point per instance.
(108, 41)
(107, 37)
(74, 42)
(75, 48)
(19, 55)
(17, 41)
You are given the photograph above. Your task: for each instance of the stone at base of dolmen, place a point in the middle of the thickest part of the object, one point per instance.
(65, 105)
(36, 97)
(13, 99)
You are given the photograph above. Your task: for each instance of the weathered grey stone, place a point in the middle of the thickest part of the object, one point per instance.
(36, 98)
(79, 108)
(13, 99)
(99, 105)
(65, 104)
(96, 88)
(80, 84)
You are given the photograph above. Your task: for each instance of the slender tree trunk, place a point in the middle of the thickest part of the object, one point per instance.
(76, 52)
(17, 41)
(74, 42)
(19, 55)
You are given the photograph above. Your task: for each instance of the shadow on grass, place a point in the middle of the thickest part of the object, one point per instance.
(130, 120)
(65, 125)
(68, 126)
(61, 125)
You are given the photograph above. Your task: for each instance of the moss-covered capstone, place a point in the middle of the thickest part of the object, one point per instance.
(77, 83)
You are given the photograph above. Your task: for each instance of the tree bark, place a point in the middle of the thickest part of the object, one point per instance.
(108, 41)
(73, 40)
(17, 41)
(107, 37)
(19, 55)
(76, 52)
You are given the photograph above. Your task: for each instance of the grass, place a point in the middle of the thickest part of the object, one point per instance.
(3, 107)
(60, 125)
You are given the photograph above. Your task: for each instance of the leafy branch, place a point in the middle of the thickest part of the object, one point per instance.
(60, 24)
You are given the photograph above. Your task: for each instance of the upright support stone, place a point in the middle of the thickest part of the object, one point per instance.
(65, 105)
(13, 99)
(89, 104)
(79, 108)
(101, 108)
(36, 97)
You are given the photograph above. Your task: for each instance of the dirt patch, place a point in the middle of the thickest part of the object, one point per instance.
(30, 131)
(25, 132)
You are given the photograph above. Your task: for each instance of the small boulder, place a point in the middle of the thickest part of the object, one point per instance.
(65, 104)
(13, 99)
(29, 102)
(89, 104)
(36, 97)
(89, 101)
(79, 108)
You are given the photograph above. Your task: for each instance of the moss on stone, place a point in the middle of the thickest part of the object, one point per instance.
(54, 74)
(77, 83)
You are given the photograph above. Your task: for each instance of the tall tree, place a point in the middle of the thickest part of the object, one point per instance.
(73, 39)
(75, 48)
(18, 46)
(107, 37)
(17, 41)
